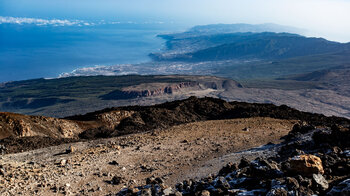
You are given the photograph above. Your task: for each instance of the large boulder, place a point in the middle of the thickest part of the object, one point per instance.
(306, 165)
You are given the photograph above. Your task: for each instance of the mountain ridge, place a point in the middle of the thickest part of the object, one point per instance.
(113, 122)
(265, 45)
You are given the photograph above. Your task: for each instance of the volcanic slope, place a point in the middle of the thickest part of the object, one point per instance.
(119, 121)
(172, 154)
(176, 141)
(124, 148)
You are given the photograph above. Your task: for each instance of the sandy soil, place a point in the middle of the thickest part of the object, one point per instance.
(186, 151)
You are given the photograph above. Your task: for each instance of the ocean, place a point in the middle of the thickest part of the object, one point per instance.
(30, 51)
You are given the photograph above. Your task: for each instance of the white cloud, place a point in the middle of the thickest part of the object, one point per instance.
(65, 22)
(41, 22)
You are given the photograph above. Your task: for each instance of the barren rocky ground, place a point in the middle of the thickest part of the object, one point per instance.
(106, 166)
(197, 146)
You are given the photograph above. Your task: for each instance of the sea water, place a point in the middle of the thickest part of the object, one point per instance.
(32, 51)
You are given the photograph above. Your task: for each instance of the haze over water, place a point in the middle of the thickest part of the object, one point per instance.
(34, 51)
(40, 38)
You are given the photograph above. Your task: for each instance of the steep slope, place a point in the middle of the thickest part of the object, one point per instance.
(119, 121)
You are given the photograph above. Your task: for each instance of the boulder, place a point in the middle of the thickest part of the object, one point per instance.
(306, 165)
(320, 182)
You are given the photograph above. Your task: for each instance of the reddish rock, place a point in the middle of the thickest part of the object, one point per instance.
(306, 165)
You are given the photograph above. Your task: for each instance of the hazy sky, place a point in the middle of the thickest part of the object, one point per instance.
(327, 18)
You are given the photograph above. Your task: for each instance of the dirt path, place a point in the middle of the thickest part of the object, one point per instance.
(187, 151)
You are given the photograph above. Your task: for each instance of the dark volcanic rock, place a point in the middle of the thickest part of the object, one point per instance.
(318, 169)
(147, 118)
(341, 189)
(134, 119)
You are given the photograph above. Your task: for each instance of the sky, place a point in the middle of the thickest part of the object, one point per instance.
(322, 18)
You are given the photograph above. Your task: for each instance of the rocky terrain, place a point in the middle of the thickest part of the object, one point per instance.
(154, 89)
(17, 125)
(181, 148)
(36, 132)
(310, 161)
(106, 166)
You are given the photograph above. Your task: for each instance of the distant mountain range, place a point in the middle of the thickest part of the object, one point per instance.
(213, 29)
(190, 46)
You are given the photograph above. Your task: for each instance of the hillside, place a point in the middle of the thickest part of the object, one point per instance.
(265, 45)
(21, 132)
(240, 28)
(159, 148)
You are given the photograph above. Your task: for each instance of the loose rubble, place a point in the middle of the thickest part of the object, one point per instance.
(313, 165)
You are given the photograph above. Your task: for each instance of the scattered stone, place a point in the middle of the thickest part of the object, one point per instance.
(184, 141)
(320, 181)
(146, 168)
(2, 149)
(205, 193)
(117, 147)
(99, 145)
(116, 180)
(168, 191)
(159, 180)
(71, 149)
(2, 172)
(63, 162)
(292, 183)
(114, 163)
(277, 192)
(133, 191)
(146, 192)
(151, 180)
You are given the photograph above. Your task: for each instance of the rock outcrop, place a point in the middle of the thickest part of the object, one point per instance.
(161, 89)
(157, 89)
(119, 121)
(16, 125)
(306, 165)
